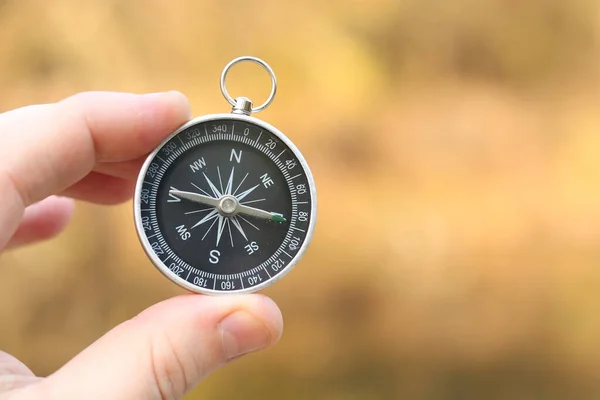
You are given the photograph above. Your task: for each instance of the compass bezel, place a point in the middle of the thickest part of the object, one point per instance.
(137, 206)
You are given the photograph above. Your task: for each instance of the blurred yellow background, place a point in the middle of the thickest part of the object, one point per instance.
(456, 152)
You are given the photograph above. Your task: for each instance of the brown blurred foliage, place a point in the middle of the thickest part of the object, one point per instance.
(456, 152)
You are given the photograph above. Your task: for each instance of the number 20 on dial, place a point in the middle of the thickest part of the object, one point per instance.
(227, 203)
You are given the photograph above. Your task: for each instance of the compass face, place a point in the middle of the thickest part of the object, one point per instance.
(225, 204)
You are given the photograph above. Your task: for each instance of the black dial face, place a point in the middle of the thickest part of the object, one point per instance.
(224, 205)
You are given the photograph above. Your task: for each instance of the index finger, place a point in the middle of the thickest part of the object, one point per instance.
(45, 149)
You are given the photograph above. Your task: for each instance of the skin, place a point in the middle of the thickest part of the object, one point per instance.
(90, 147)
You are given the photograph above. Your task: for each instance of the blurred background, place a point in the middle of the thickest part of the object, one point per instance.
(475, 123)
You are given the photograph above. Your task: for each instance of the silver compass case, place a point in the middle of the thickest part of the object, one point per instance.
(227, 203)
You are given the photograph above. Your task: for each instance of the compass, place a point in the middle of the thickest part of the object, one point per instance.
(226, 203)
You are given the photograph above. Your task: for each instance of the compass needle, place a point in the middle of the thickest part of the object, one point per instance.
(256, 212)
(195, 197)
(226, 203)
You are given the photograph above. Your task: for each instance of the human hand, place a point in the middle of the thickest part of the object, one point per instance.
(91, 147)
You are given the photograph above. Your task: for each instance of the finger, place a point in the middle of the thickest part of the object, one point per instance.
(169, 349)
(45, 149)
(101, 189)
(126, 169)
(13, 373)
(43, 220)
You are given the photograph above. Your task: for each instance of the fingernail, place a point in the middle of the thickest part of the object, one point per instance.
(243, 333)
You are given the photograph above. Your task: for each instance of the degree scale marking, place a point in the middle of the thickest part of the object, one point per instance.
(263, 150)
(192, 142)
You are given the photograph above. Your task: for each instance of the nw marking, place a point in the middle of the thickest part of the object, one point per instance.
(198, 165)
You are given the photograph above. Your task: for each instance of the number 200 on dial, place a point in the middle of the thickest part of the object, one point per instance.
(226, 204)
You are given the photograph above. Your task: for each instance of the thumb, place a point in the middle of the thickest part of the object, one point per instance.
(168, 349)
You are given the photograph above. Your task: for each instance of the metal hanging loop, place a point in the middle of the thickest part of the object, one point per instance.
(243, 105)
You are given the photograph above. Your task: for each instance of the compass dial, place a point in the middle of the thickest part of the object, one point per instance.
(225, 204)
